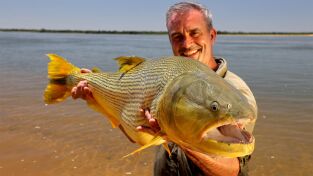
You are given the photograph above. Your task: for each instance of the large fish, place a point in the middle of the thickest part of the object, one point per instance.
(195, 107)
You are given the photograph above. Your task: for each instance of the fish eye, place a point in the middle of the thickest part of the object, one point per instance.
(228, 106)
(214, 106)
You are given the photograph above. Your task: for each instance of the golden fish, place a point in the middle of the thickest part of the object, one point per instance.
(195, 107)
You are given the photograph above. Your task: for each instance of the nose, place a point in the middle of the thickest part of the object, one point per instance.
(188, 41)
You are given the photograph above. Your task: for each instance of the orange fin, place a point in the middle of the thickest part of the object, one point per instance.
(157, 140)
(126, 63)
(58, 70)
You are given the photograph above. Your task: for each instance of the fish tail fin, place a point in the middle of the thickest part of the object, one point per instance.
(59, 69)
(157, 140)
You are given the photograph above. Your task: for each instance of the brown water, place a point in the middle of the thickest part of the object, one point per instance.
(70, 139)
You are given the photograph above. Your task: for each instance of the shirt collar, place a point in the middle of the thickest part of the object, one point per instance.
(222, 66)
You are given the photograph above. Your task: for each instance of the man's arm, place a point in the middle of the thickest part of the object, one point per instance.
(219, 166)
(208, 164)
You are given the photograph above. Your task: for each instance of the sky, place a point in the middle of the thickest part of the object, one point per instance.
(149, 15)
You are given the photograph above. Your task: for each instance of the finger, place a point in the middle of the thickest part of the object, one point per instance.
(79, 90)
(85, 70)
(73, 92)
(152, 121)
(89, 97)
(145, 129)
(139, 128)
(80, 86)
(148, 115)
(84, 83)
(86, 90)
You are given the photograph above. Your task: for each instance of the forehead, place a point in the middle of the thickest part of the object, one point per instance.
(186, 19)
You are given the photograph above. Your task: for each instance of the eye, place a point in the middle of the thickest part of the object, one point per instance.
(228, 106)
(214, 106)
(195, 33)
(177, 37)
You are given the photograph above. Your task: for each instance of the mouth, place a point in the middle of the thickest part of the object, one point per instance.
(231, 133)
(195, 53)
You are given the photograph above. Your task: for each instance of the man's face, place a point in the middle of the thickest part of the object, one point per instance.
(190, 37)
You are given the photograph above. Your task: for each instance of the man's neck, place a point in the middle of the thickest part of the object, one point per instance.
(212, 64)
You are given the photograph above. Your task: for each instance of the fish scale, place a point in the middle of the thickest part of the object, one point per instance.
(142, 84)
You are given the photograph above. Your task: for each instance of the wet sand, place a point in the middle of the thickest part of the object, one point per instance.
(65, 140)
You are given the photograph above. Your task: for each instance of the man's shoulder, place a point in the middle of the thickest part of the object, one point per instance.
(235, 80)
(242, 86)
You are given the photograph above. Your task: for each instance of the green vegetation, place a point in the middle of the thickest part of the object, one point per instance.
(145, 32)
(83, 31)
(264, 33)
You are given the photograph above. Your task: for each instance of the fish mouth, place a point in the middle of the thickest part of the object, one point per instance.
(229, 132)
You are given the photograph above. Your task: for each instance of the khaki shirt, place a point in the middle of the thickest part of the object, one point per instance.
(238, 83)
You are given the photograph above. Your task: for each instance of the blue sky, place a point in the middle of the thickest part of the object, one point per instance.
(240, 15)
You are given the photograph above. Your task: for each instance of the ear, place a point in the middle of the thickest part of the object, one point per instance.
(213, 35)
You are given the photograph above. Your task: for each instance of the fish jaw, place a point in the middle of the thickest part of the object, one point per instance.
(229, 131)
(229, 139)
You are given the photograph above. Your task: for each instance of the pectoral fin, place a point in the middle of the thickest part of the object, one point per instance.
(155, 141)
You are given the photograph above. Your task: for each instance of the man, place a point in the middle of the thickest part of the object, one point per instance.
(191, 34)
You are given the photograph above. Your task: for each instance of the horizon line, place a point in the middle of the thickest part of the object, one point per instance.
(42, 30)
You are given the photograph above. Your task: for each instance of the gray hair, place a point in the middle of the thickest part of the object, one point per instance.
(182, 7)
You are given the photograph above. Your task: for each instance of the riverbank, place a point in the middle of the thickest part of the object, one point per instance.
(310, 34)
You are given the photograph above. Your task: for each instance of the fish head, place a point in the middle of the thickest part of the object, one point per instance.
(203, 112)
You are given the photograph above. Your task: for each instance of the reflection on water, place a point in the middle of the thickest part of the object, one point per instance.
(71, 139)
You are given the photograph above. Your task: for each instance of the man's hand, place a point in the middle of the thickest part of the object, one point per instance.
(154, 127)
(81, 90)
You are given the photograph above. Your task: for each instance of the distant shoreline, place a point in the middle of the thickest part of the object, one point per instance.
(310, 34)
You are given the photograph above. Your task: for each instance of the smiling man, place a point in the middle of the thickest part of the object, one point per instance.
(192, 35)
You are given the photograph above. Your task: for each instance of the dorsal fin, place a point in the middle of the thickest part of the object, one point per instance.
(126, 63)
(96, 70)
